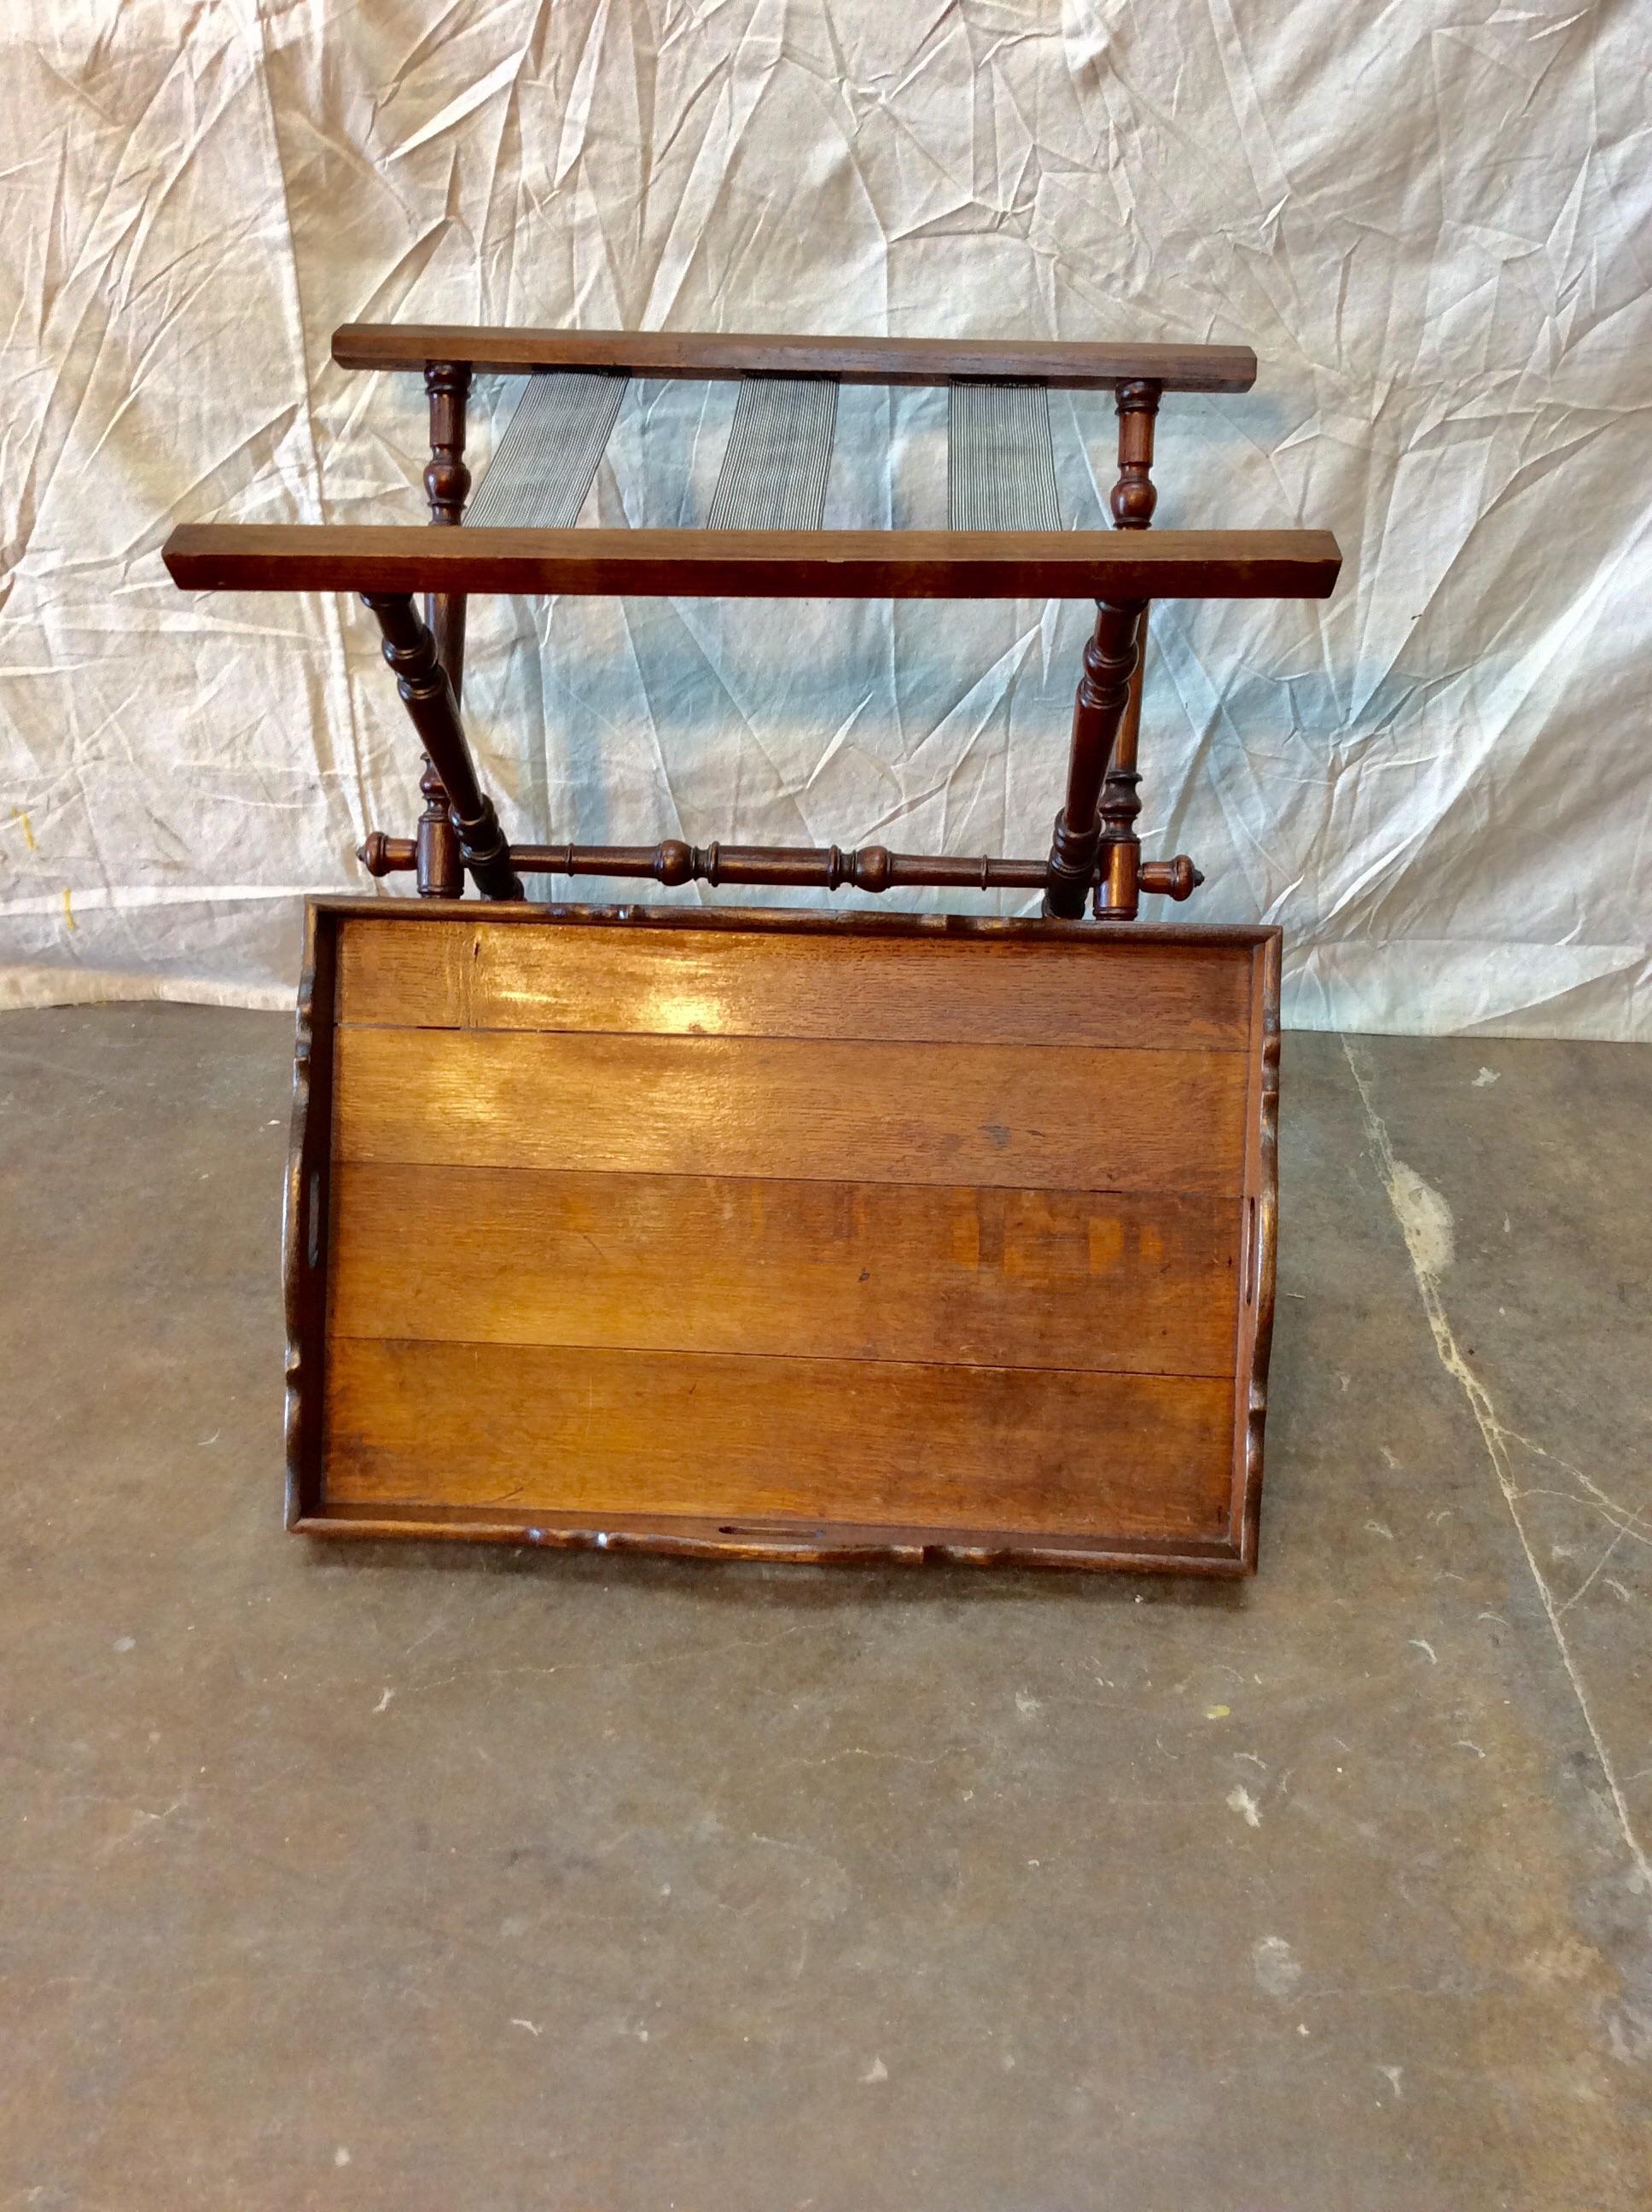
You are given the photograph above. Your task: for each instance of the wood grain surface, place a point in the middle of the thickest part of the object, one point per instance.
(840, 1270)
(789, 1236)
(577, 1431)
(1060, 1117)
(1078, 364)
(378, 559)
(470, 975)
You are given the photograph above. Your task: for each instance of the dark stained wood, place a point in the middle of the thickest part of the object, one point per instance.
(1145, 1283)
(788, 1539)
(826, 868)
(1094, 852)
(446, 478)
(1175, 879)
(681, 978)
(447, 486)
(768, 1236)
(705, 1357)
(1104, 693)
(717, 353)
(427, 692)
(1259, 1259)
(907, 564)
(1058, 1118)
(973, 929)
(579, 1432)
(1118, 896)
(1134, 496)
(304, 1238)
(437, 856)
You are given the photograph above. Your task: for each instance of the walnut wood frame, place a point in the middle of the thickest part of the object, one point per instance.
(720, 353)
(1094, 858)
(733, 564)
(1095, 854)
(824, 867)
(307, 1242)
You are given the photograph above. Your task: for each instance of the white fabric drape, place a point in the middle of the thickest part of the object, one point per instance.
(1429, 219)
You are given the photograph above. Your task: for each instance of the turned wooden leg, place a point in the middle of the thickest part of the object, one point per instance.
(1118, 895)
(447, 486)
(1104, 693)
(426, 692)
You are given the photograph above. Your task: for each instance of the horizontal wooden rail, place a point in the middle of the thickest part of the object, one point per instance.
(872, 868)
(715, 353)
(895, 564)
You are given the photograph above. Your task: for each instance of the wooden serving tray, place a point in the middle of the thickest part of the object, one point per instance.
(787, 1236)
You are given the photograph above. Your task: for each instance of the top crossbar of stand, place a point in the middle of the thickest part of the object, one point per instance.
(775, 468)
(722, 355)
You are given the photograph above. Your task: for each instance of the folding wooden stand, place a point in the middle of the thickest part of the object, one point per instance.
(790, 1236)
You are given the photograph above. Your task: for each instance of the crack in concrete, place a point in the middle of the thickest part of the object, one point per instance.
(1401, 1183)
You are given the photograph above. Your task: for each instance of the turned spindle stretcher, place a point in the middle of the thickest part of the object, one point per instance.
(1095, 1382)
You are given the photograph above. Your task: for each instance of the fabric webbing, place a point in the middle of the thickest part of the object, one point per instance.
(779, 451)
(544, 464)
(1000, 464)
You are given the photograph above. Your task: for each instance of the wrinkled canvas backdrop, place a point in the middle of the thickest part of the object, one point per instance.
(1428, 218)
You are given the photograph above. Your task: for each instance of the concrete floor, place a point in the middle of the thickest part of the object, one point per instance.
(454, 1878)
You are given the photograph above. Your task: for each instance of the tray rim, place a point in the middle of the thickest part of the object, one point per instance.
(305, 1246)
